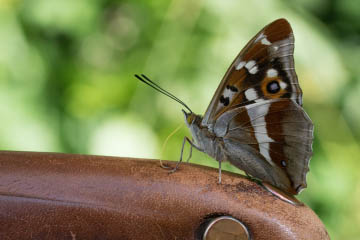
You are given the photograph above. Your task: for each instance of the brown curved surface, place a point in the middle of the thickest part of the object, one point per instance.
(65, 196)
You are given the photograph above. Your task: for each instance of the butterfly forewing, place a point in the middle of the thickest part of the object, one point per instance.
(264, 69)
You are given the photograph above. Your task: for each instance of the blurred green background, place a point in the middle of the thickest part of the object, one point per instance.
(67, 85)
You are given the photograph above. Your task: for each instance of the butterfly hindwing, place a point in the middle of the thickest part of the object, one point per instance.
(277, 131)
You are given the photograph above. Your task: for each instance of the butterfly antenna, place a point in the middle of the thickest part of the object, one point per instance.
(155, 86)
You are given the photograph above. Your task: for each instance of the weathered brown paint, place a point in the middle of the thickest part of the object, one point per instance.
(65, 196)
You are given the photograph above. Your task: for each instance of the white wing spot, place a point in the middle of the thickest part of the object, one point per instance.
(265, 41)
(251, 94)
(263, 38)
(260, 37)
(271, 73)
(283, 85)
(253, 70)
(240, 65)
(250, 64)
(228, 93)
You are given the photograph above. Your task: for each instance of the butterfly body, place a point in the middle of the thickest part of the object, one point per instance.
(255, 119)
(204, 139)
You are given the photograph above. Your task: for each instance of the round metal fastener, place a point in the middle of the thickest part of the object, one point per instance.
(225, 228)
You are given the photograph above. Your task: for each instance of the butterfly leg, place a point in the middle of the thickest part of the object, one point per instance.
(219, 172)
(190, 154)
(220, 157)
(186, 139)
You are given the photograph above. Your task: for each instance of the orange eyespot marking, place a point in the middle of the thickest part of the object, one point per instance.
(273, 87)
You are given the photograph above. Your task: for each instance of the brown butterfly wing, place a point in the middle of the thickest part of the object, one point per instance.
(247, 79)
(278, 134)
(257, 110)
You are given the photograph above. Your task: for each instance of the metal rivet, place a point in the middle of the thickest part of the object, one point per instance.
(225, 228)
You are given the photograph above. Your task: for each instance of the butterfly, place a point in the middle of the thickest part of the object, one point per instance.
(255, 119)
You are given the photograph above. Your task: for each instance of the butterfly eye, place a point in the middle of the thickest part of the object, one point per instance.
(273, 87)
(190, 118)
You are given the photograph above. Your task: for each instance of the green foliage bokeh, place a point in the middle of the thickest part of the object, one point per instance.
(67, 85)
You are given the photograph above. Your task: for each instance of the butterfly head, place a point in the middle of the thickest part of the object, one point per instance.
(189, 118)
(193, 122)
